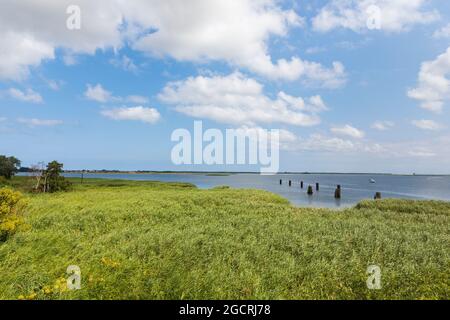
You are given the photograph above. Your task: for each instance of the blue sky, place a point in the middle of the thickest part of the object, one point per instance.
(109, 95)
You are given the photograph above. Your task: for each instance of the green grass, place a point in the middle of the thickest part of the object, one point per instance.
(153, 240)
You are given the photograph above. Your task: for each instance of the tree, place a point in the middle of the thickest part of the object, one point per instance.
(49, 179)
(53, 180)
(9, 166)
(36, 175)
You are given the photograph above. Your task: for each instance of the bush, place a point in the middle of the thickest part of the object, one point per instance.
(11, 206)
(52, 179)
(3, 181)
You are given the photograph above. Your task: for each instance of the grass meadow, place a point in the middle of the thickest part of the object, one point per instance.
(152, 240)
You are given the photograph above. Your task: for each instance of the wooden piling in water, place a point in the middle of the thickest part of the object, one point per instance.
(317, 186)
(301, 184)
(377, 196)
(290, 183)
(310, 190)
(337, 192)
(281, 182)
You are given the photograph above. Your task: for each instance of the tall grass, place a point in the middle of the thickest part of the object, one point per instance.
(151, 240)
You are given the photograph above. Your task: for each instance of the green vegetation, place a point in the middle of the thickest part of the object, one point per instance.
(11, 209)
(42, 179)
(51, 180)
(9, 166)
(152, 240)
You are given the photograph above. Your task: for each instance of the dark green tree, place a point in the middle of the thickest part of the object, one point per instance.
(53, 180)
(9, 166)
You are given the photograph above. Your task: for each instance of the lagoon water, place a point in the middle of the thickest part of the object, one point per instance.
(355, 187)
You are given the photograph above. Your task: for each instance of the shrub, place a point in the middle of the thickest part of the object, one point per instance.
(221, 187)
(52, 180)
(11, 207)
(3, 181)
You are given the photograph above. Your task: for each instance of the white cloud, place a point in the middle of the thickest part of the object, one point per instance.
(348, 130)
(396, 15)
(27, 96)
(317, 142)
(427, 125)
(148, 115)
(433, 84)
(237, 32)
(97, 93)
(382, 125)
(234, 31)
(31, 31)
(39, 122)
(19, 51)
(442, 33)
(236, 99)
(329, 144)
(100, 94)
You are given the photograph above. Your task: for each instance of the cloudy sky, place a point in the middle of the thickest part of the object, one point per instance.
(354, 86)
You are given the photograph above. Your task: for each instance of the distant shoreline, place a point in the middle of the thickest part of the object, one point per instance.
(226, 173)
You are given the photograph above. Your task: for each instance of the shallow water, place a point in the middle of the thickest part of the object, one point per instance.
(355, 187)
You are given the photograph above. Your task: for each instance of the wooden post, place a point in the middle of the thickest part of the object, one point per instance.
(281, 182)
(377, 196)
(301, 184)
(337, 192)
(290, 183)
(317, 186)
(310, 190)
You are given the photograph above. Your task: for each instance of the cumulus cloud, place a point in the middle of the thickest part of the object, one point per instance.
(395, 15)
(30, 32)
(19, 52)
(147, 115)
(348, 130)
(433, 83)
(427, 125)
(319, 143)
(100, 94)
(237, 99)
(382, 125)
(233, 31)
(97, 93)
(27, 96)
(39, 122)
(328, 144)
(237, 32)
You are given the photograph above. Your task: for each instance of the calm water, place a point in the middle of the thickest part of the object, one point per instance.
(355, 187)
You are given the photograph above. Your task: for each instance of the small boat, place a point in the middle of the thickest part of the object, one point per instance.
(372, 181)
